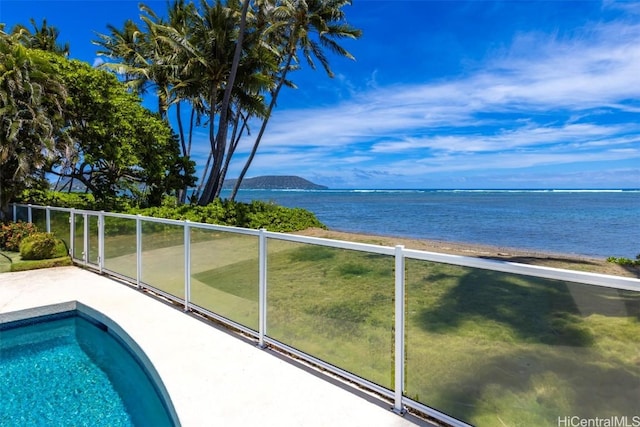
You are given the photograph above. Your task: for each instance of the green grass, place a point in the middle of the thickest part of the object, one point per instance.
(11, 261)
(489, 348)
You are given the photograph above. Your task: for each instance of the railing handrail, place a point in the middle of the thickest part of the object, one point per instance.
(399, 252)
(596, 279)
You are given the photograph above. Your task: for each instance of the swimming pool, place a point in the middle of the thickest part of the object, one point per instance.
(70, 369)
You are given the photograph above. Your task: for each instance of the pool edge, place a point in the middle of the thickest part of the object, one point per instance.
(39, 314)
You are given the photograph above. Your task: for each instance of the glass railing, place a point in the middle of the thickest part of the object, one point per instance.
(464, 340)
(335, 304)
(162, 256)
(495, 348)
(224, 274)
(120, 246)
(60, 226)
(39, 218)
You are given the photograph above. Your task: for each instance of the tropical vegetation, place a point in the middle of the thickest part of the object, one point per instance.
(222, 64)
(62, 118)
(218, 64)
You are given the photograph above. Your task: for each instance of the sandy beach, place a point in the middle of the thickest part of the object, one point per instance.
(571, 262)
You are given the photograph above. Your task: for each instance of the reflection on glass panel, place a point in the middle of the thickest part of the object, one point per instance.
(120, 246)
(93, 239)
(335, 304)
(78, 237)
(22, 214)
(39, 218)
(494, 348)
(60, 226)
(225, 275)
(163, 257)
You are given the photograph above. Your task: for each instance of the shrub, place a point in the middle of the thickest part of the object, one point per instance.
(625, 261)
(11, 235)
(256, 214)
(41, 246)
(72, 200)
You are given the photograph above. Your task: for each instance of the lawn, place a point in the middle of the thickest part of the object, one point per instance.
(11, 261)
(489, 348)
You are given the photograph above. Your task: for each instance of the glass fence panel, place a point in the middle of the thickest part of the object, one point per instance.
(60, 226)
(334, 304)
(497, 349)
(22, 214)
(94, 251)
(120, 246)
(78, 237)
(225, 274)
(163, 257)
(39, 218)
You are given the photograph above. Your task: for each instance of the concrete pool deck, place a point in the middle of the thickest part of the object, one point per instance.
(212, 376)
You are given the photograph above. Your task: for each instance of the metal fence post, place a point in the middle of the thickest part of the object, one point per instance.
(29, 214)
(399, 330)
(187, 265)
(15, 213)
(138, 251)
(262, 284)
(85, 240)
(47, 218)
(101, 241)
(72, 233)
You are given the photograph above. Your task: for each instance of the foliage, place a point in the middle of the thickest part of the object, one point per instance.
(118, 146)
(11, 234)
(60, 199)
(44, 37)
(625, 261)
(228, 84)
(32, 99)
(66, 118)
(39, 246)
(256, 214)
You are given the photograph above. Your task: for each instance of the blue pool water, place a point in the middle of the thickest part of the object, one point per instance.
(71, 371)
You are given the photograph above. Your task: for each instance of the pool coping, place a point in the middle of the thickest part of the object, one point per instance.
(210, 374)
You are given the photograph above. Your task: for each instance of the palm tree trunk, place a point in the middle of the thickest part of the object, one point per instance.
(214, 184)
(254, 149)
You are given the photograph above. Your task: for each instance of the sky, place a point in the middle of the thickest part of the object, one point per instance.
(441, 94)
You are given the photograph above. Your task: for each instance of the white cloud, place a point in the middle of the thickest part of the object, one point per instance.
(543, 101)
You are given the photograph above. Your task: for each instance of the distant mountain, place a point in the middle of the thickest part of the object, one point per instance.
(275, 183)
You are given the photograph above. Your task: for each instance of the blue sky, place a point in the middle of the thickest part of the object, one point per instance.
(443, 94)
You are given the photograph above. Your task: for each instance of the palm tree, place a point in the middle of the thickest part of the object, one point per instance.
(309, 26)
(44, 38)
(228, 59)
(31, 101)
(220, 75)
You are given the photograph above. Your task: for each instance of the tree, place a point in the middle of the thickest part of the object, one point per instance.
(146, 62)
(31, 112)
(294, 25)
(43, 38)
(228, 59)
(118, 146)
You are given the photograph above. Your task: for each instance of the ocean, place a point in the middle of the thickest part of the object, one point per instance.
(595, 223)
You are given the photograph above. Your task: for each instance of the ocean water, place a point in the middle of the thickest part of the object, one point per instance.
(596, 223)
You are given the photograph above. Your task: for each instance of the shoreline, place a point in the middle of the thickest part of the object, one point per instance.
(522, 256)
